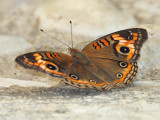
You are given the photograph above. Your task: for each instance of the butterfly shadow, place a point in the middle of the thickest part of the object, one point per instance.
(50, 93)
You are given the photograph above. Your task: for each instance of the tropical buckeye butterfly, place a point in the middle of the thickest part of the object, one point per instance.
(108, 62)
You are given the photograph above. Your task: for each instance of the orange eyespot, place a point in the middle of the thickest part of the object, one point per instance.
(51, 67)
(124, 49)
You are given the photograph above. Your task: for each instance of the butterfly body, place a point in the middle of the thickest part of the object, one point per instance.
(108, 62)
(79, 57)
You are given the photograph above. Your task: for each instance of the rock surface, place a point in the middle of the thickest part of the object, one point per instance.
(27, 94)
(145, 11)
(12, 44)
(7, 82)
(89, 17)
(150, 54)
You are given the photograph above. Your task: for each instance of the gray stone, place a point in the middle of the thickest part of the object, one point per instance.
(150, 53)
(145, 11)
(91, 18)
(12, 44)
(7, 82)
(26, 94)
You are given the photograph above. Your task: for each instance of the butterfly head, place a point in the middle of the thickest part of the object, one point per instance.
(78, 56)
(72, 50)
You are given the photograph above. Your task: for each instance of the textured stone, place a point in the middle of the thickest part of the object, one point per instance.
(7, 82)
(27, 94)
(62, 103)
(150, 53)
(11, 44)
(89, 17)
(145, 11)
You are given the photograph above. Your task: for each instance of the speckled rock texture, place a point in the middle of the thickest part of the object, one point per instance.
(29, 94)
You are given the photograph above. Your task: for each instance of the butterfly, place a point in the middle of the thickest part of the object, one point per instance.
(105, 63)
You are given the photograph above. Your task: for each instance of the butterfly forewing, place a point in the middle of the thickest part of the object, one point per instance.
(53, 63)
(122, 45)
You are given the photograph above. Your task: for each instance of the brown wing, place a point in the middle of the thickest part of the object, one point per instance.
(55, 64)
(122, 45)
(102, 74)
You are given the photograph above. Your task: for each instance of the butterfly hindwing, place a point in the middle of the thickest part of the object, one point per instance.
(53, 63)
(102, 74)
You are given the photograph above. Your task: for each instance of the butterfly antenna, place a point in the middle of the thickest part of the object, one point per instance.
(71, 33)
(54, 38)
